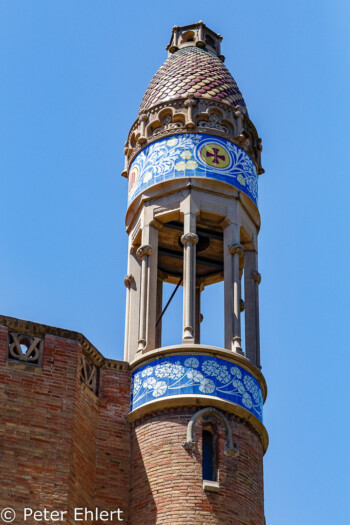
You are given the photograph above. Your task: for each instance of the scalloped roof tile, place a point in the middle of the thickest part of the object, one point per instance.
(192, 70)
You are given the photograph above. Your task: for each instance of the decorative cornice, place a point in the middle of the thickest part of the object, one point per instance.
(40, 330)
(194, 115)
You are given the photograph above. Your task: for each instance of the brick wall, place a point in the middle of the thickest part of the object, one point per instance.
(61, 446)
(113, 446)
(166, 480)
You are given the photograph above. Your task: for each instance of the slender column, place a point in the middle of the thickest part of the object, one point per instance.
(232, 287)
(198, 315)
(257, 280)
(189, 240)
(159, 308)
(144, 253)
(236, 251)
(252, 278)
(128, 280)
(132, 282)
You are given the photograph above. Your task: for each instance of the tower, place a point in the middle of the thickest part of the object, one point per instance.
(192, 159)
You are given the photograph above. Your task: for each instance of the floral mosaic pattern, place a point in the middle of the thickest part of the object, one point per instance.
(179, 156)
(197, 374)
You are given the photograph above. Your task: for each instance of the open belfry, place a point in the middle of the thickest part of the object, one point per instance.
(172, 434)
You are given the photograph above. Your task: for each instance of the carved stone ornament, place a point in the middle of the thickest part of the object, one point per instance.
(236, 249)
(144, 250)
(189, 237)
(256, 276)
(189, 445)
(192, 114)
(88, 374)
(25, 348)
(128, 279)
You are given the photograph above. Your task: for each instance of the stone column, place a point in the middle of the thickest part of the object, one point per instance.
(252, 279)
(159, 308)
(198, 315)
(232, 287)
(236, 251)
(189, 239)
(144, 253)
(132, 282)
(148, 253)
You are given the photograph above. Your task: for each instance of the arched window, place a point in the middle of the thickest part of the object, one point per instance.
(209, 469)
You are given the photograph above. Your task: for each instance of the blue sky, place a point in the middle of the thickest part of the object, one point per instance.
(72, 76)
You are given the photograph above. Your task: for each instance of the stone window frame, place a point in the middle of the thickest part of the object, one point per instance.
(190, 444)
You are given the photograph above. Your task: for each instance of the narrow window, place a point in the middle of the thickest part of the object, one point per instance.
(208, 456)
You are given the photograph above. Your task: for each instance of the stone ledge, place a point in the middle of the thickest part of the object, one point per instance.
(211, 486)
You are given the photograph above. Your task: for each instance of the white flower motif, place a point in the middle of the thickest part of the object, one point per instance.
(249, 384)
(180, 166)
(210, 368)
(137, 383)
(207, 386)
(241, 179)
(247, 400)
(195, 375)
(235, 371)
(163, 370)
(149, 382)
(191, 164)
(240, 387)
(159, 388)
(147, 371)
(147, 176)
(172, 142)
(176, 371)
(186, 155)
(256, 395)
(223, 374)
(192, 362)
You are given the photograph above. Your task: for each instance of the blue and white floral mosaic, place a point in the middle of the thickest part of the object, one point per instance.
(196, 374)
(193, 155)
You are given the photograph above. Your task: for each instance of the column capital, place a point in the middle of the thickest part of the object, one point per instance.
(236, 248)
(128, 279)
(143, 250)
(189, 237)
(256, 276)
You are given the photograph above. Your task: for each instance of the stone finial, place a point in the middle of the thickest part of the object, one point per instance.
(198, 35)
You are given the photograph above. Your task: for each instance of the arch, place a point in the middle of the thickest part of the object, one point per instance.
(190, 443)
(187, 37)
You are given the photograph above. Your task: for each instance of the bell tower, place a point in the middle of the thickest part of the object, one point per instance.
(192, 160)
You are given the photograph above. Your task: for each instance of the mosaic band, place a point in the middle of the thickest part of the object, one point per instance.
(196, 374)
(193, 155)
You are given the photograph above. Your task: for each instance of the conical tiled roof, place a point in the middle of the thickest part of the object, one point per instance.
(196, 71)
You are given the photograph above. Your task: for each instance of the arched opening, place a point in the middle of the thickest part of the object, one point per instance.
(209, 453)
(187, 37)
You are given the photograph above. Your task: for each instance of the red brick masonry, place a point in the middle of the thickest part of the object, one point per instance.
(63, 447)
